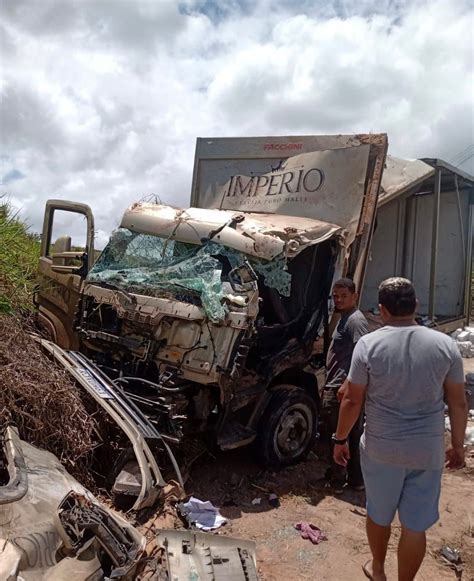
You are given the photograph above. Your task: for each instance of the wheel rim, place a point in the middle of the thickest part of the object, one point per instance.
(293, 431)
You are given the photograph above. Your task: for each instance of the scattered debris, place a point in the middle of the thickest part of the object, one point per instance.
(229, 502)
(202, 514)
(452, 557)
(257, 501)
(359, 511)
(465, 340)
(260, 488)
(199, 556)
(311, 532)
(451, 554)
(52, 527)
(274, 500)
(469, 437)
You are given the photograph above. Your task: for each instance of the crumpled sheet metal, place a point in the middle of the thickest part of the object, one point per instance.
(255, 234)
(31, 535)
(197, 556)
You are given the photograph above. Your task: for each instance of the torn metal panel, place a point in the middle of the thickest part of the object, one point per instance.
(84, 520)
(38, 536)
(129, 418)
(352, 167)
(201, 556)
(293, 176)
(260, 235)
(400, 175)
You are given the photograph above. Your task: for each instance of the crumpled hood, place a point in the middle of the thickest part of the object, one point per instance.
(256, 234)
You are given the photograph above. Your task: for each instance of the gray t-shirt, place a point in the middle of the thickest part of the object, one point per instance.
(350, 328)
(404, 369)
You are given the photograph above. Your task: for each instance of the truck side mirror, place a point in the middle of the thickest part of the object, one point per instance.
(69, 268)
(242, 278)
(62, 256)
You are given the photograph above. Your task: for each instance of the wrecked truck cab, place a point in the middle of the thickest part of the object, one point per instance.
(203, 312)
(206, 318)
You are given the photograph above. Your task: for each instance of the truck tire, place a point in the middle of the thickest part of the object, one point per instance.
(288, 427)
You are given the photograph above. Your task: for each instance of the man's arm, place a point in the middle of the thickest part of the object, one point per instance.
(349, 412)
(457, 410)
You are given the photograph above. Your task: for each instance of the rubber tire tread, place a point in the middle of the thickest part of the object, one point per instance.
(283, 397)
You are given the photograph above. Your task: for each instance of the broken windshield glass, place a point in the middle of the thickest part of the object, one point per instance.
(144, 263)
(275, 274)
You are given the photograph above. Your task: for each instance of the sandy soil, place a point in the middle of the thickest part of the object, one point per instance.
(232, 480)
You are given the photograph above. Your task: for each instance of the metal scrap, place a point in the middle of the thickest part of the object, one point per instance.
(204, 557)
(53, 528)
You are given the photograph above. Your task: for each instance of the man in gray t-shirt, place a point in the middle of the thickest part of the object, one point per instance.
(404, 372)
(350, 328)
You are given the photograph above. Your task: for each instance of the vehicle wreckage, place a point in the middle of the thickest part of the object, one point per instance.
(203, 321)
(51, 527)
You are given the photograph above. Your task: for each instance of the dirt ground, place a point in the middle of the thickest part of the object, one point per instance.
(232, 480)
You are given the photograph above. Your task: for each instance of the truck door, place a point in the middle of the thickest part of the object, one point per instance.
(67, 254)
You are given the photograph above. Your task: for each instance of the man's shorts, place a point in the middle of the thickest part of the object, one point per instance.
(415, 493)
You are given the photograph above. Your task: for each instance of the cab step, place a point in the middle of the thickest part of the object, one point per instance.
(235, 435)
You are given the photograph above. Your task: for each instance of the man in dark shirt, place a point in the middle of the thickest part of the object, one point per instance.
(351, 327)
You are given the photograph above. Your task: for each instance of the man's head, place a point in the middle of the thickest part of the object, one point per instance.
(344, 295)
(397, 298)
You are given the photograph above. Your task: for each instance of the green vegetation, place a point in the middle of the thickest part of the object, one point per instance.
(19, 253)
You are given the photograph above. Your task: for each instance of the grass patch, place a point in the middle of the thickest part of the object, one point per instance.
(19, 254)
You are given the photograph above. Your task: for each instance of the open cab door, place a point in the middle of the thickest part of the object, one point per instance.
(67, 254)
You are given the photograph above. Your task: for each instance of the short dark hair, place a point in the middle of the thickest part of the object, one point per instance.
(398, 296)
(345, 283)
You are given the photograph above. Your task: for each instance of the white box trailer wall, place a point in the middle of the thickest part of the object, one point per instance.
(424, 232)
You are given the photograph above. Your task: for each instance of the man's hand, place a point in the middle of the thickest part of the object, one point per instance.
(454, 457)
(341, 391)
(341, 454)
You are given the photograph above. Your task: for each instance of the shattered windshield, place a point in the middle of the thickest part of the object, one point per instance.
(144, 263)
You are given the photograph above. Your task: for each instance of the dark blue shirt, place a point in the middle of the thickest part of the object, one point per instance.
(351, 327)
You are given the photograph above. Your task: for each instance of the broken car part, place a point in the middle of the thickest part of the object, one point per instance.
(127, 416)
(52, 528)
(195, 555)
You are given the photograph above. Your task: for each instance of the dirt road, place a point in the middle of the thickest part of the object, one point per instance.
(233, 480)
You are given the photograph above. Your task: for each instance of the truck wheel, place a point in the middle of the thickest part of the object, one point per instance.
(287, 428)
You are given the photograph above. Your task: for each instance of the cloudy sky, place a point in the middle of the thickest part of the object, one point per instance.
(101, 100)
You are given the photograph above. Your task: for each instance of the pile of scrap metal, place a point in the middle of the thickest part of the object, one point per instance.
(201, 556)
(53, 528)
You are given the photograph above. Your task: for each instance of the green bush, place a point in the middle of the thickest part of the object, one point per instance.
(19, 254)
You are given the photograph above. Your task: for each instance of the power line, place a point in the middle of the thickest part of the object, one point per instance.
(469, 150)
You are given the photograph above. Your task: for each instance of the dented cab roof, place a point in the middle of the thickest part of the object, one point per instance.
(256, 234)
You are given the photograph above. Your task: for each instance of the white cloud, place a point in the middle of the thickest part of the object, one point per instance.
(102, 100)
